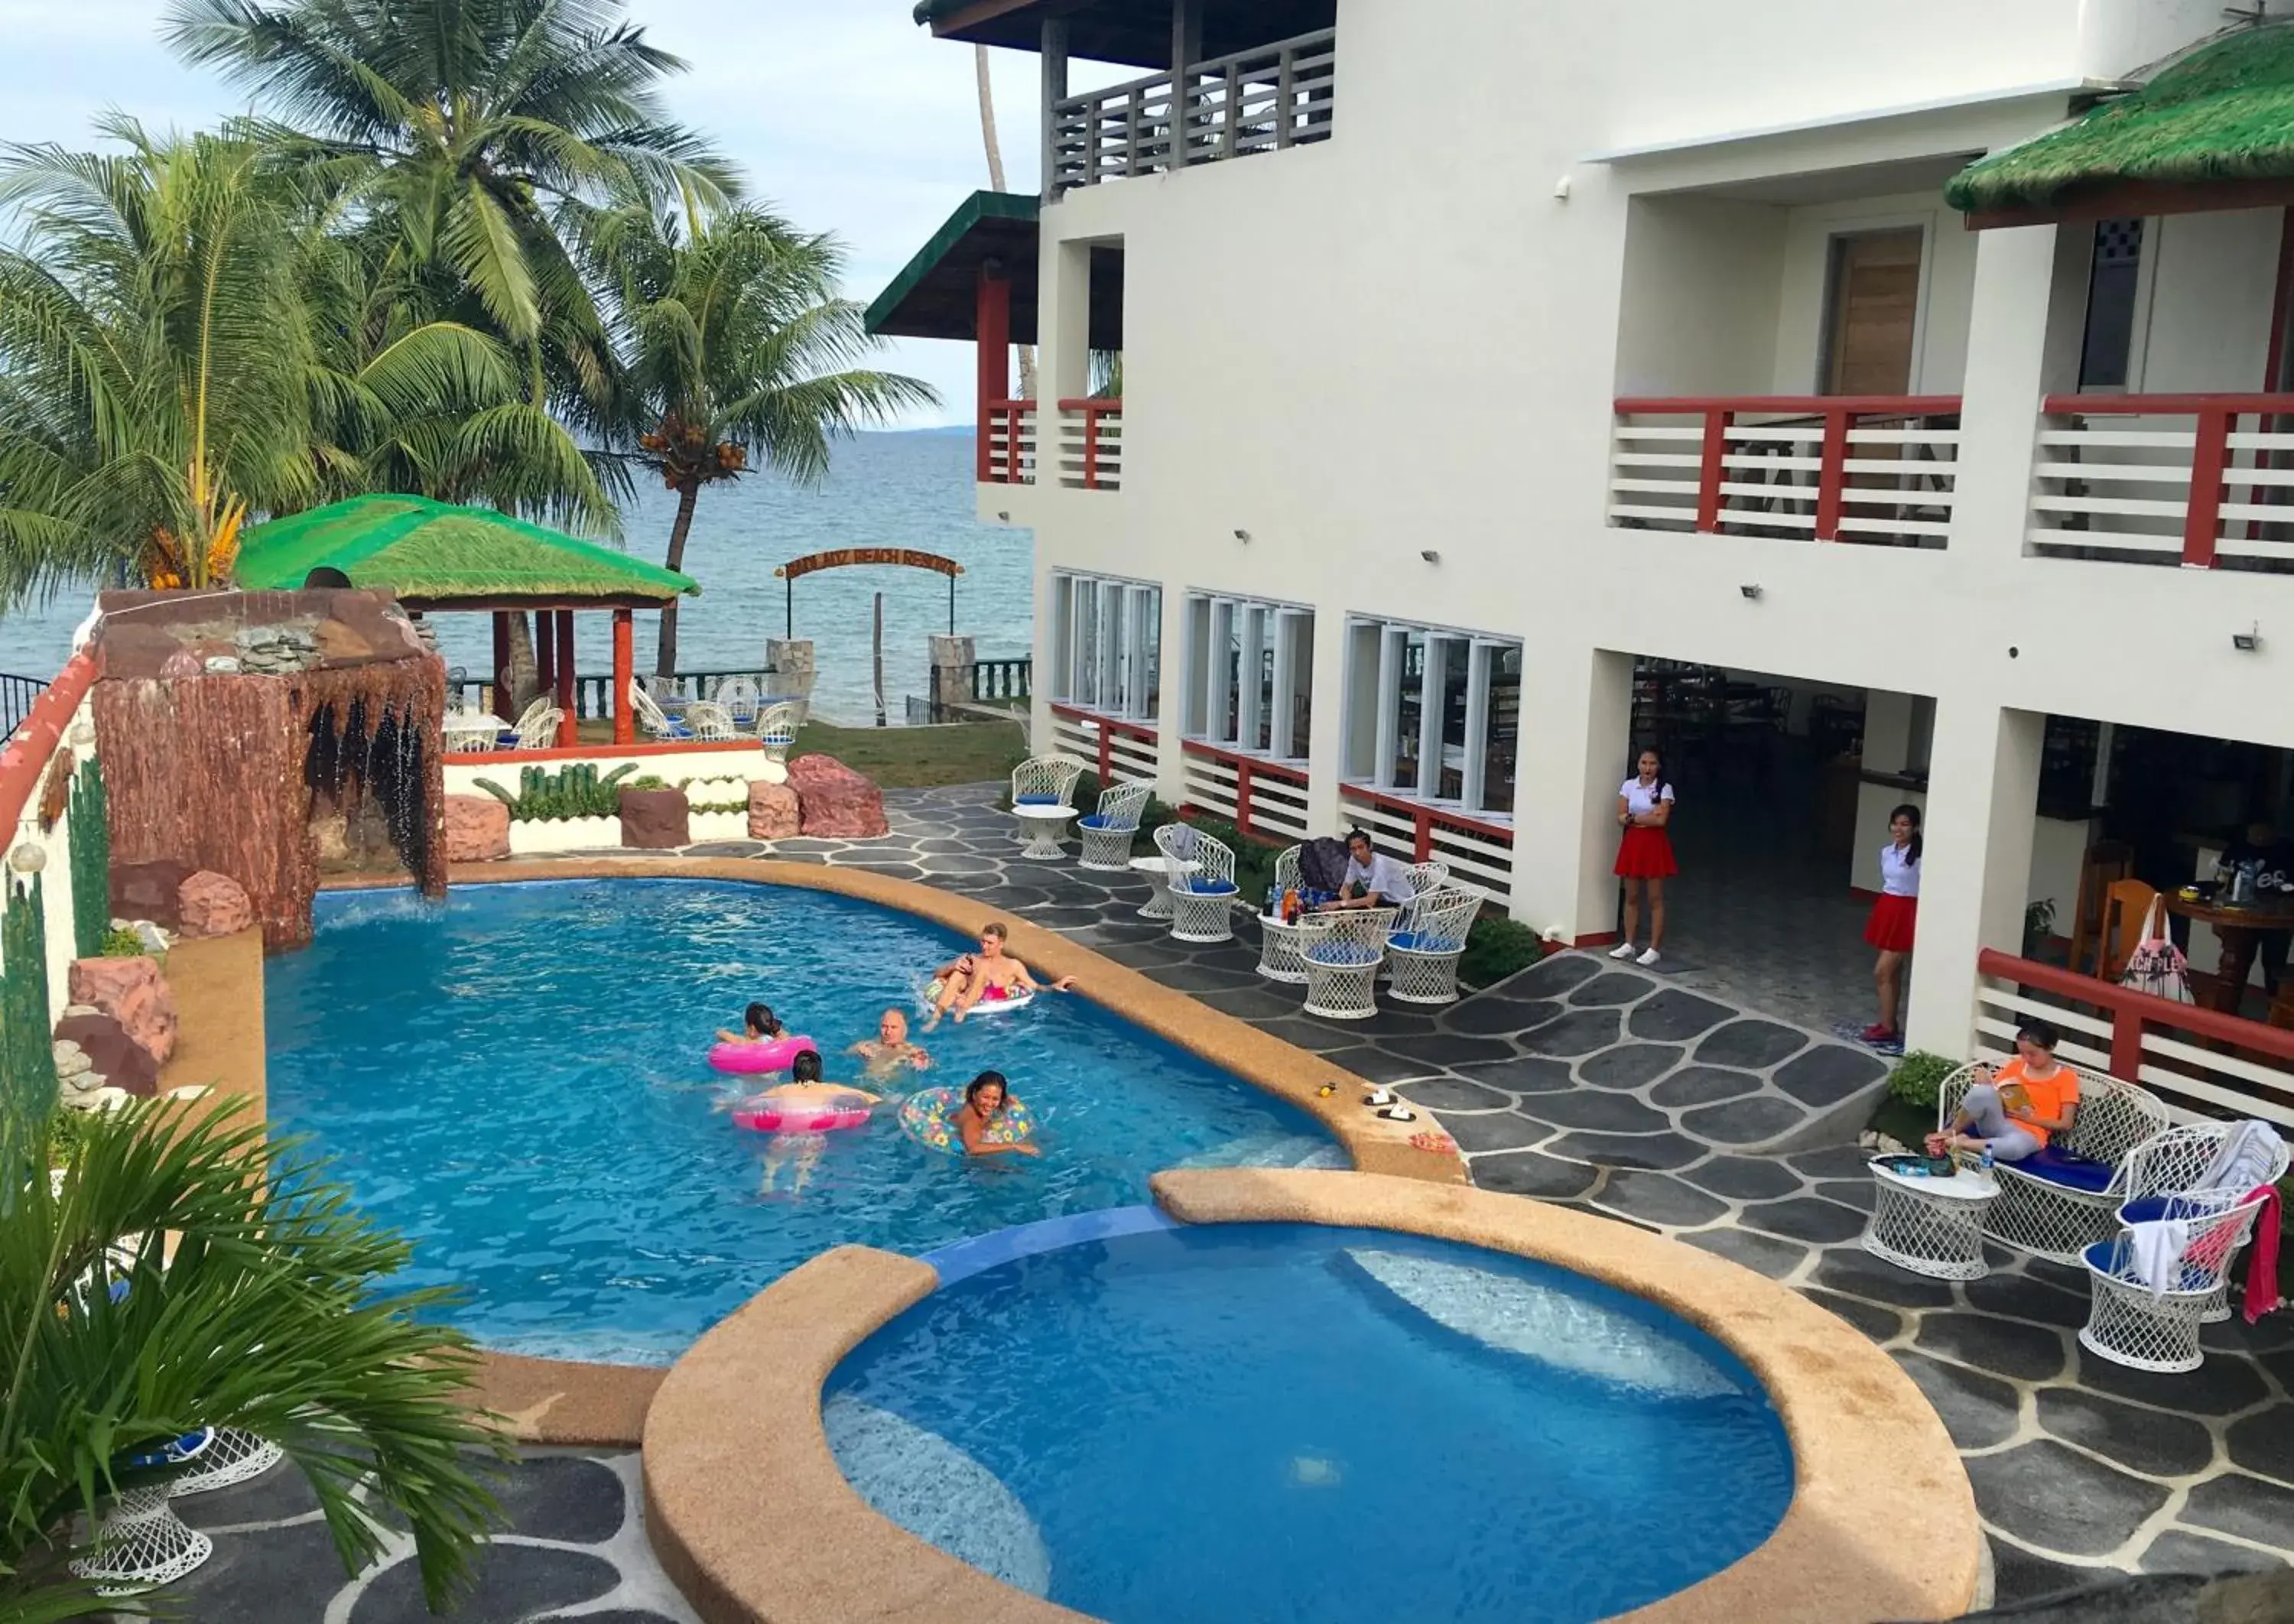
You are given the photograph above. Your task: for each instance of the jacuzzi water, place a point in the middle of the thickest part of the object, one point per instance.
(1280, 1422)
(515, 1081)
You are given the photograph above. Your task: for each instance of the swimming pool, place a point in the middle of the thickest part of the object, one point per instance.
(1281, 1422)
(514, 1080)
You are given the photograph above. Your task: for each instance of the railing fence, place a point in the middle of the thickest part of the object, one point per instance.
(1264, 99)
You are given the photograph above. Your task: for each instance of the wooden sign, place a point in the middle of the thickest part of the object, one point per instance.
(843, 555)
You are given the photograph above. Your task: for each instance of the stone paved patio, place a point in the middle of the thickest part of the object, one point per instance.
(1660, 1104)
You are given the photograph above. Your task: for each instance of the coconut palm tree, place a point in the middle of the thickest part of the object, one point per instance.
(480, 117)
(184, 1273)
(172, 361)
(994, 150)
(738, 351)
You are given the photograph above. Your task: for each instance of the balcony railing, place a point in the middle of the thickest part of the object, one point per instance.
(1007, 443)
(1879, 469)
(1261, 101)
(2166, 479)
(1090, 445)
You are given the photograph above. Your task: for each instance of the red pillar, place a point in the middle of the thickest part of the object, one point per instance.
(501, 666)
(626, 721)
(993, 330)
(569, 729)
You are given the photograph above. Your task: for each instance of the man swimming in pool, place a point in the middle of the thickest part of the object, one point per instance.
(889, 1049)
(991, 975)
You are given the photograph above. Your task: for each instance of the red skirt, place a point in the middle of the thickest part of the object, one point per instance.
(1890, 928)
(1646, 853)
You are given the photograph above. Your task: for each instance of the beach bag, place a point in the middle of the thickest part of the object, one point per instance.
(2157, 966)
(1323, 865)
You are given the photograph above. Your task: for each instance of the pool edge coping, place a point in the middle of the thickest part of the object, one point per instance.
(1882, 1523)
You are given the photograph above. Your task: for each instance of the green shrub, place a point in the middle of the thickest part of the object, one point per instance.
(1496, 948)
(121, 943)
(1918, 1078)
(575, 791)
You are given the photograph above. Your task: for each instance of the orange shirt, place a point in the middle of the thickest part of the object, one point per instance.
(2045, 1096)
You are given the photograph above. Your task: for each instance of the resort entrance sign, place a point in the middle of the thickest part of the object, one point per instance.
(837, 558)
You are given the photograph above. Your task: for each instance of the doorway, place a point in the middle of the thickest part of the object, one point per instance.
(1872, 306)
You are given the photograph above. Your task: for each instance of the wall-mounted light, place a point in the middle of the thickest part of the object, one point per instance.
(1561, 190)
(1430, 555)
(1750, 590)
(2247, 642)
(1242, 535)
(28, 859)
(1006, 516)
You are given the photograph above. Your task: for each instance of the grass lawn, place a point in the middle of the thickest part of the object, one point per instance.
(899, 758)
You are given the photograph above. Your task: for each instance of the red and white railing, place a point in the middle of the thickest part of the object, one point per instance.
(1879, 469)
(1479, 850)
(1090, 445)
(1119, 750)
(49, 744)
(1256, 794)
(1007, 443)
(2201, 1062)
(2188, 479)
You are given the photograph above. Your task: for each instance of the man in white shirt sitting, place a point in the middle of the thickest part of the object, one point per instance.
(1373, 879)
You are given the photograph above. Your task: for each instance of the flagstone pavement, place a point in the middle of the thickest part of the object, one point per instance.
(1578, 1081)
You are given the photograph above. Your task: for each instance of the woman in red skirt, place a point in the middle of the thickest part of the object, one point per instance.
(1645, 856)
(1890, 929)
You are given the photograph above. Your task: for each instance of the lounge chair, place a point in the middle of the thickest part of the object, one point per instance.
(2060, 1201)
(651, 718)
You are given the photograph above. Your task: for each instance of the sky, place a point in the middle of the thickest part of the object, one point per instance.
(846, 116)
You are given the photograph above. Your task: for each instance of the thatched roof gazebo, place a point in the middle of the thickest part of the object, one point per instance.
(437, 558)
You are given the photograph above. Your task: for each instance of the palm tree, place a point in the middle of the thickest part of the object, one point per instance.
(480, 117)
(172, 361)
(184, 1273)
(738, 347)
(995, 147)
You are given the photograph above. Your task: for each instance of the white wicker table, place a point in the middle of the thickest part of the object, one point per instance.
(1280, 947)
(1044, 825)
(1931, 1226)
(1158, 871)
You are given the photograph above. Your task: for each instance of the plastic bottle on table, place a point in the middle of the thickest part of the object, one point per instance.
(1291, 906)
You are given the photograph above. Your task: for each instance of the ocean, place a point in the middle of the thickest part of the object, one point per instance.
(911, 490)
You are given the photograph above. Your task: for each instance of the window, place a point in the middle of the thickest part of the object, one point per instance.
(1433, 714)
(2113, 268)
(1103, 645)
(1250, 672)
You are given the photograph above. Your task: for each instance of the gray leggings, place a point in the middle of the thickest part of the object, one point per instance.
(2010, 1139)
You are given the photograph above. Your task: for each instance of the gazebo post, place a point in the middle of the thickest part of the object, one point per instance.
(545, 652)
(569, 729)
(626, 721)
(502, 667)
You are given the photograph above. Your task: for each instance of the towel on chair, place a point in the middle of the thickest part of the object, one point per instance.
(2248, 1153)
(2262, 1262)
(2154, 1253)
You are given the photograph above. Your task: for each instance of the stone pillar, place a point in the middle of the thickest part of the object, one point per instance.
(950, 686)
(789, 670)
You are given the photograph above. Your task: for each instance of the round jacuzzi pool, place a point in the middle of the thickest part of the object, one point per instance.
(1278, 1422)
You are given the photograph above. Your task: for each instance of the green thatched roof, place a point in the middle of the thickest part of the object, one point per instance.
(434, 553)
(2224, 112)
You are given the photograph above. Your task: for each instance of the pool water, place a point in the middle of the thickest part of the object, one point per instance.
(515, 1081)
(1282, 1423)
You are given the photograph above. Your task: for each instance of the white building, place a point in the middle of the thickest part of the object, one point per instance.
(1475, 355)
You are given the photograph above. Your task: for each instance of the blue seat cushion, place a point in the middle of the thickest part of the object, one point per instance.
(1100, 820)
(1037, 801)
(2057, 1166)
(1424, 941)
(1196, 885)
(1341, 955)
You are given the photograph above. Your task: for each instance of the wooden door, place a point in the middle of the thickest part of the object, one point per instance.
(1874, 312)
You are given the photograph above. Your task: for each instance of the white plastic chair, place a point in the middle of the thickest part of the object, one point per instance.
(537, 727)
(1108, 832)
(2129, 1323)
(710, 720)
(651, 717)
(1203, 891)
(1342, 957)
(2173, 1164)
(1423, 952)
(2039, 1210)
(1278, 943)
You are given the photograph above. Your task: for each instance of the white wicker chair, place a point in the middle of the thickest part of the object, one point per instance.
(710, 720)
(1045, 780)
(651, 717)
(233, 1457)
(537, 727)
(1278, 944)
(1342, 957)
(140, 1542)
(739, 694)
(1423, 952)
(1430, 875)
(2045, 1214)
(1108, 831)
(1203, 891)
(2172, 1164)
(2129, 1323)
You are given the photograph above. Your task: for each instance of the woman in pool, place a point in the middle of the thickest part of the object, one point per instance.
(804, 1088)
(760, 1025)
(889, 1049)
(985, 1099)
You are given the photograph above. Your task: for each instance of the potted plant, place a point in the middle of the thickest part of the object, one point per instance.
(719, 808)
(655, 816)
(568, 810)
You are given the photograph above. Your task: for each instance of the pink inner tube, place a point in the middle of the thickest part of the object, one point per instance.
(778, 1055)
(800, 1118)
